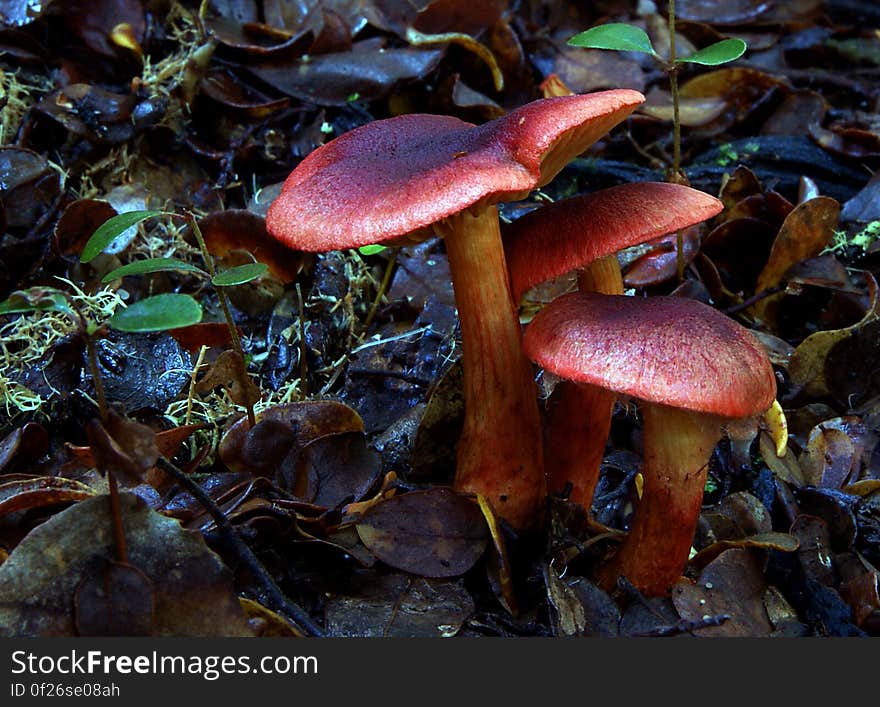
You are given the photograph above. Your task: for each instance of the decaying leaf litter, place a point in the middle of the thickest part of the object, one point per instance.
(333, 514)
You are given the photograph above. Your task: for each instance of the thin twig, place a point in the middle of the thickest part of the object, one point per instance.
(280, 602)
(757, 297)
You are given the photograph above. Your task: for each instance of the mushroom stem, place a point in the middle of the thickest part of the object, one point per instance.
(578, 419)
(677, 447)
(603, 276)
(577, 424)
(499, 451)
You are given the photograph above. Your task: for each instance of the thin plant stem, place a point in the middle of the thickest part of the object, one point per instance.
(383, 287)
(303, 361)
(279, 601)
(113, 488)
(224, 305)
(672, 70)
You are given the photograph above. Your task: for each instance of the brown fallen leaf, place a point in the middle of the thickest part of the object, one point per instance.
(193, 590)
(116, 599)
(804, 233)
(808, 364)
(433, 533)
(229, 372)
(311, 419)
(732, 584)
(25, 494)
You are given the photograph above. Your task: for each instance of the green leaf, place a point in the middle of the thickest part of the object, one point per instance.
(239, 275)
(615, 35)
(108, 231)
(158, 313)
(719, 53)
(36, 299)
(142, 267)
(371, 249)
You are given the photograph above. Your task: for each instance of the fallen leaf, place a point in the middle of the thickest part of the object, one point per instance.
(193, 591)
(804, 233)
(433, 533)
(114, 600)
(732, 584)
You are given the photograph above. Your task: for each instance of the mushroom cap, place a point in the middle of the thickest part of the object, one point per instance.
(665, 350)
(396, 177)
(555, 239)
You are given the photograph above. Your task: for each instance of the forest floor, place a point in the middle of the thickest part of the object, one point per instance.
(334, 515)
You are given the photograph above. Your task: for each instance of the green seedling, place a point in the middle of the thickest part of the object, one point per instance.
(622, 37)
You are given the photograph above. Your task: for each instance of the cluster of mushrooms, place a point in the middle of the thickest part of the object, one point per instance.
(690, 367)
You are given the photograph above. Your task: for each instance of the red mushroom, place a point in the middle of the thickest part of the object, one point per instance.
(586, 232)
(692, 368)
(406, 176)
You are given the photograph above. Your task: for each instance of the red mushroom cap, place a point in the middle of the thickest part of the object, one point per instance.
(666, 350)
(557, 238)
(396, 177)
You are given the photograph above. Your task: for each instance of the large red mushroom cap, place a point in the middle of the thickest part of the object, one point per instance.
(666, 350)
(555, 239)
(396, 177)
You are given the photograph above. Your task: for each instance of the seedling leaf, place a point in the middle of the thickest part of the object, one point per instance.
(158, 313)
(371, 249)
(143, 267)
(719, 53)
(36, 299)
(616, 36)
(108, 231)
(239, 275)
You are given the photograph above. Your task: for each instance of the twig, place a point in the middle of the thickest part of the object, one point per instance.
(745, 304)
(280, 602)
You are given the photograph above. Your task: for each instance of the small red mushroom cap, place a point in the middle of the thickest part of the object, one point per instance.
(555, 239)
(665, 350)
(396, 177)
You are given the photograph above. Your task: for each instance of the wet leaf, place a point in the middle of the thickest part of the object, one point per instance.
(691, 111)
(659, 263)
(266, 623)
(240, 230)
(229, 372)
(114, 600)
(310, 419)
(77, 224)
(123, 447)
(400, 606)
(865, 205)
(28, 443)
(158, 313)
(111, 229)
(862, 593)
(40, 492)
(433, 533)
(151, 265)
(28, 181)
(36, 299)
(780, 542)
(814, 550)
(618, 36)
(335, 469)
(193, 594)
(240, 274)
(733, 585)
(832, 456)
(369, 72)
(804, 233)
(722, 52)
(808, 364)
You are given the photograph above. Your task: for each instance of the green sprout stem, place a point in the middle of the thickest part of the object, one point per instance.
(224, 304)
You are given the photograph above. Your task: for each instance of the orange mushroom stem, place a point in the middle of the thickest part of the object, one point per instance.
(586, 232)
(691, 368)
